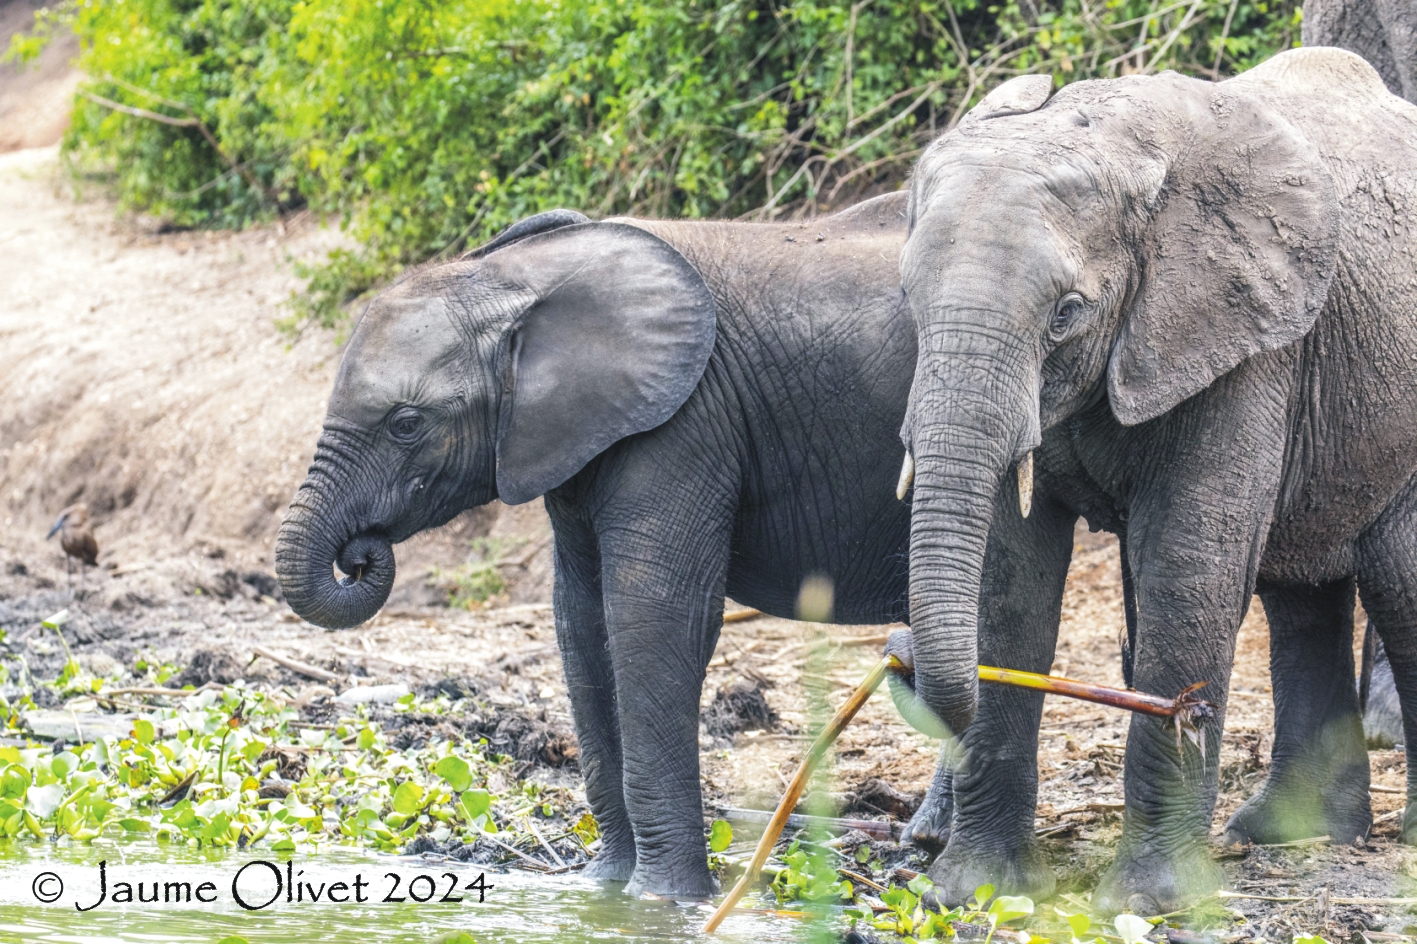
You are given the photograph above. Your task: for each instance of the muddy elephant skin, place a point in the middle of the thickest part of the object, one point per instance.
(1203, 293)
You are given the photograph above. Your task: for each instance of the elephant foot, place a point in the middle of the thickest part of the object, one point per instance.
(1277, 814)
(958, 871)
(1151, 881)
(1382, 725)
(1409, 825)
(679, 884)
(929, 828)
(612, 864)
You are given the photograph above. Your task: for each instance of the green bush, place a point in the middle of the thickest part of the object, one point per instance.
(424, 127)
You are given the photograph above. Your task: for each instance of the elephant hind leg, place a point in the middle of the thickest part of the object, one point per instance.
(1318, 781)
(1387, 580)
(1382, 710)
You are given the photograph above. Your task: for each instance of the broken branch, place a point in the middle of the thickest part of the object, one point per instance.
(876, 829)
(301, 668)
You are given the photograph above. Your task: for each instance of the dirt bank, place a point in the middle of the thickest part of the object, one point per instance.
(34, 98)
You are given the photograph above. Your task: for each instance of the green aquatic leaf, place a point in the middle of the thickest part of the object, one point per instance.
(456, 771)
(476, 802)
(408, 798)
(720, 835)
(43, 801)
(233, 939)
(1009, 908)
(1132, 929)
(1079, 923)
(143, 730)
(14, 782)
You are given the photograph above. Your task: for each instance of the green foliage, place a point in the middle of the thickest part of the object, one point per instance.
(425, 126)
(472, 584)
(720, 836)
(193, 774)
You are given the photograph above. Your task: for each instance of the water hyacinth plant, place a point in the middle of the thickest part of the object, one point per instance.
(236, 767)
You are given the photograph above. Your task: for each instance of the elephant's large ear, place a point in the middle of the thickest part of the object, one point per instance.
(616, 335)
(1237, 256)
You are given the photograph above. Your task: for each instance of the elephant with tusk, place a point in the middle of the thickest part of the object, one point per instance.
(1195, 302)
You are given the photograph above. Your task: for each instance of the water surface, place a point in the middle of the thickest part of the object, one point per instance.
(517, 906)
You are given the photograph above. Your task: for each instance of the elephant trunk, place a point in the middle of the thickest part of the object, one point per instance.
(312, 541)
(968, 430)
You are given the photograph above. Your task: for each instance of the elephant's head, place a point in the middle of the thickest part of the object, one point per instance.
(497, 376)
(1129, 241)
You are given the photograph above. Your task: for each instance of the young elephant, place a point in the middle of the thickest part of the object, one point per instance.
(708, 408)
(1205, 293)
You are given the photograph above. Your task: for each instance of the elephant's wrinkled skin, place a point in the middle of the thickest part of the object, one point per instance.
(1205, 294)
(1384, 32)
(709, 408)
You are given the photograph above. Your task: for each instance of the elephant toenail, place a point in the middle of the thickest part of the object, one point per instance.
(1142, 905)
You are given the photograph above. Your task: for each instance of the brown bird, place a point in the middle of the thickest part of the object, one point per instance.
(77, 540)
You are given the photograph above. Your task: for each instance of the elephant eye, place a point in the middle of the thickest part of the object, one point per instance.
(1065, 315)
(406, 423)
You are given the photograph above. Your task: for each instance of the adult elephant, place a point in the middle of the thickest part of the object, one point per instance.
(1205, 293)
(1384, 32)
(708, 408)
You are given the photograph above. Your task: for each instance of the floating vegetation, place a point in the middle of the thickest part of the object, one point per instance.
(233, 766)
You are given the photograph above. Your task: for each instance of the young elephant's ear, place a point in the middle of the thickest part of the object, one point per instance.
(1239, 251)
(616, 335)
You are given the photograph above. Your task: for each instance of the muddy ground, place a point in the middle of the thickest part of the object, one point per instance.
(141, 372)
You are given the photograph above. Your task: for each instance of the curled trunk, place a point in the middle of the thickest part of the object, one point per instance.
(311, 543)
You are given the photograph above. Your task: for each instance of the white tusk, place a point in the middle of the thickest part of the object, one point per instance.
(1025, 485)
(907, 475)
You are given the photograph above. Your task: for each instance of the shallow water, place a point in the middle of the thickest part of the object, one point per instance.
(517, 906)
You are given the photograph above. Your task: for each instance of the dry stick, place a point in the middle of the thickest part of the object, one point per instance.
(738, 616)
(560, 862)
(1186, 709)
(876, 829)
(309, 671)
(516, 852)
(819, 747)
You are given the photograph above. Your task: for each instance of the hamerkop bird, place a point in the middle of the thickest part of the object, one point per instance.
(76, 539)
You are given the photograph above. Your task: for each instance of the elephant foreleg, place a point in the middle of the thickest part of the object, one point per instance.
(929, 828)
(664, 610)
(1195, 531)
(590, 679)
